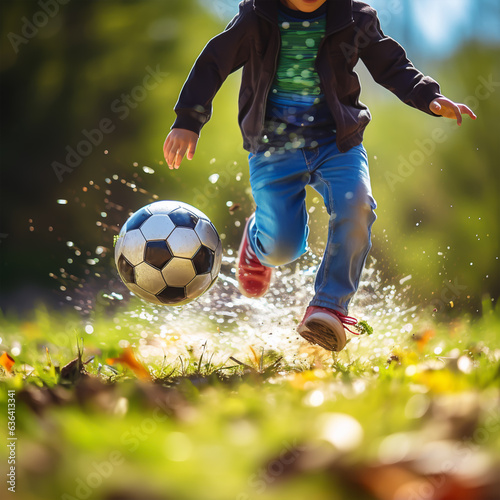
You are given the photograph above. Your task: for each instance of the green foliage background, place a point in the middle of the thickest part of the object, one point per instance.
(438, 223)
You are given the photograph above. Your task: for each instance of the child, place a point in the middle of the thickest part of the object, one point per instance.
(302, 122)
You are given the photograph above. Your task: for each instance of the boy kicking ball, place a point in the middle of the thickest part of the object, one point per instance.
(302, 123)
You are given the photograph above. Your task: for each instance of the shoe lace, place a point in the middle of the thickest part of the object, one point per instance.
(347, 321)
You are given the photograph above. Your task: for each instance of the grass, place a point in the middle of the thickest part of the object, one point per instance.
(124, 410)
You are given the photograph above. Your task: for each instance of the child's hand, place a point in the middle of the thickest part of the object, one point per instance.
(442, 106)
(177, 143)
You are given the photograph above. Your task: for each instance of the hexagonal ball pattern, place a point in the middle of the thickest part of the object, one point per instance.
(142, 294)
(183, 218)
(207, 234)
(198, 286)
(203, 261)
(194, 210)
(163, 207)
(178, 272)
(183, 242)
(157, 253)
(125, 270)
(157, 227)
(133, 246)
(172, 295)
(217, 262)
(149, 278)
(136, 220)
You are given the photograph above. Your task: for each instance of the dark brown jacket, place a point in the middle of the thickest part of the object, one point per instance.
(252, 41)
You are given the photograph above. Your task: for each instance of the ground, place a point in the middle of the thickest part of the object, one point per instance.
(222, 400)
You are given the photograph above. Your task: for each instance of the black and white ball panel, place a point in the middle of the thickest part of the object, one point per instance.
(158, 253)
(183, 218)
(133, 246)
(178, 272)
(149, 278)
(168, 253)
(157, 227)
(198, 285)
(203, 260)
(183, 242)
(207, 234)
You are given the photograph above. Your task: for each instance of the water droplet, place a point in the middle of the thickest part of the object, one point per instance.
(342, 430)
(62, 202)
(213, 178)
(464, 364)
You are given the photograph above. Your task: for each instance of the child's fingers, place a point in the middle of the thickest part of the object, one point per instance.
(179, 156)
(170, 157)
(166, 149)
(166, 144)
(191, 150)
(458, 113)
(466, 110)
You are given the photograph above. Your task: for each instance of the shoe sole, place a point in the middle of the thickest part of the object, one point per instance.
(318, 329)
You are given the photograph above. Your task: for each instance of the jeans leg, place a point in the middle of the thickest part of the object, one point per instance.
(344, 182)
(278, 233)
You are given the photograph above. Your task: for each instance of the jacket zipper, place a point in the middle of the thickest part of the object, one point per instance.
(323, 41)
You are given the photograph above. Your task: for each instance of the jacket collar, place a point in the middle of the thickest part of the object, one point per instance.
(339, 13)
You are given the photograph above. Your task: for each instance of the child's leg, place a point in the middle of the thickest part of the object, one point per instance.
(344, 182)
(278, 233)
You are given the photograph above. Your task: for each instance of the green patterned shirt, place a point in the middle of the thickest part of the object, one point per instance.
(297, 114)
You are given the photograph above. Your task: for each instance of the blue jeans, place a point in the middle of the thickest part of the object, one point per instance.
(278, 233)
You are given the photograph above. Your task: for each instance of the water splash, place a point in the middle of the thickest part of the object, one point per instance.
(223, 321)
(228, 323)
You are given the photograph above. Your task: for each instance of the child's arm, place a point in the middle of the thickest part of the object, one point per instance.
(387, 62)
(223, 55)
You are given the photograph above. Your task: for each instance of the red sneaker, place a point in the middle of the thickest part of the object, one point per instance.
(253, 277)
(325, 327)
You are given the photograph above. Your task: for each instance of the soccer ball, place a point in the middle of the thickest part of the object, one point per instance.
(168, 253)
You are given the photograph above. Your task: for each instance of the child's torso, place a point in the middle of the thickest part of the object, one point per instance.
(297, 114)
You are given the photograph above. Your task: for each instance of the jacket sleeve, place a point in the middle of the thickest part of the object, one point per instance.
(223, 55)
(387, 62)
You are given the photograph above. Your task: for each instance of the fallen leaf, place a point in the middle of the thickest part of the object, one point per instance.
(424, 338)
(127, 357)
(7, 362)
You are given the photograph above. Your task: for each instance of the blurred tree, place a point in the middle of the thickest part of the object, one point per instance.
(88, 63)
